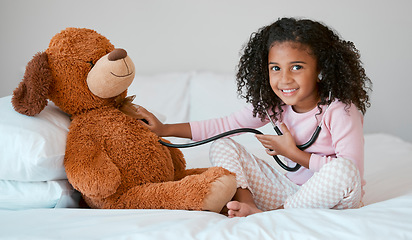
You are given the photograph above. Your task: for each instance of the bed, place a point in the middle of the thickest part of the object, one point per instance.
(37, 202)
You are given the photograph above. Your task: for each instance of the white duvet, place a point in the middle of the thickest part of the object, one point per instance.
(387, 214)
(385, 220)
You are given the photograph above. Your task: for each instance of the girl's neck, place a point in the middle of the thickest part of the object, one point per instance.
(302, 108)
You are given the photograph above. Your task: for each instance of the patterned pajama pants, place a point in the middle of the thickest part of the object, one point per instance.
(337, 185)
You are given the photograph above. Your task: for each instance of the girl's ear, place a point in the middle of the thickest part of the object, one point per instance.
(30, 97)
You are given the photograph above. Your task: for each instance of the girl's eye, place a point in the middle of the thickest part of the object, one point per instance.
(275, 68)
(296, 67)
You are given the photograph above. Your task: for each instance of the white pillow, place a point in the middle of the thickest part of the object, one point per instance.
(32, 148)
(24, 195)
(166, 94)
(213, 95)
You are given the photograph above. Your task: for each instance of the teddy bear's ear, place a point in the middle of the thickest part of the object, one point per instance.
(30, 97)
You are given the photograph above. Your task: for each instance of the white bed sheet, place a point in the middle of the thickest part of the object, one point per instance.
(385, 220)
(387, 214)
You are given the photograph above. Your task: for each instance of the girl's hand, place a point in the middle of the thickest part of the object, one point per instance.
(278, 145)
(149, 120)
(284, 145)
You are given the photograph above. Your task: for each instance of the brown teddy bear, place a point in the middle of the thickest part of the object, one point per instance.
(111, 158)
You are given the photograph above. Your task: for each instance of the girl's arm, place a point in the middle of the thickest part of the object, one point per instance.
(241, 119)
(199, 130)
(346, 130)
(163, 130)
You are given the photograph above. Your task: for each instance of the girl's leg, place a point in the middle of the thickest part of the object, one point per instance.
(337, 185)
(255, 178)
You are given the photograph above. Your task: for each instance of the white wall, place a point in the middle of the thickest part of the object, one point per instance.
(187, 35)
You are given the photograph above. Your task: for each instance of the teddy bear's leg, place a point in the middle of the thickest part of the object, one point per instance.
(188, 172)
(208, 191)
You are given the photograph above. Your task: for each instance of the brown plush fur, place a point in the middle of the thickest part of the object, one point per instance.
(30, 97)
(112, 159)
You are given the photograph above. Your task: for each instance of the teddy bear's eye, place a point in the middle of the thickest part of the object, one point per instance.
(91, 63)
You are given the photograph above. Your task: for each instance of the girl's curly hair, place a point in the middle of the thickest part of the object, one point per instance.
(343, 75)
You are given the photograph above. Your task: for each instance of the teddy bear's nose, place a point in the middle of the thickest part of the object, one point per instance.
(117, 54)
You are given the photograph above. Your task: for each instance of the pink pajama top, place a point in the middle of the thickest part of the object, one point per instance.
(341, 135)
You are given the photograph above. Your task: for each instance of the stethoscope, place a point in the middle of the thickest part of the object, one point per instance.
(302, 147)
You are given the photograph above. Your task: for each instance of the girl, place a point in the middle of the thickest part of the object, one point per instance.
(304, 75)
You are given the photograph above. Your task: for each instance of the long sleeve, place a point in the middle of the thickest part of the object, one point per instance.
(346, 134)
(240, 119)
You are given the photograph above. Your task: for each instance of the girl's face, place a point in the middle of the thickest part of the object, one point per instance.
(293, 75)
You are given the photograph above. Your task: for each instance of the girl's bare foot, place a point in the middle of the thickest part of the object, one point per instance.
(241, 209)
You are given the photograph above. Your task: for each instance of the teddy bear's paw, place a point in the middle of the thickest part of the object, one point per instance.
(222, 191)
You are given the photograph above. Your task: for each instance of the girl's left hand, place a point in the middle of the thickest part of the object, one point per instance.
(278, 145)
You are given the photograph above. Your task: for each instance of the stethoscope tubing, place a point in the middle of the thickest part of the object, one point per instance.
(250, 130)
(225, 134)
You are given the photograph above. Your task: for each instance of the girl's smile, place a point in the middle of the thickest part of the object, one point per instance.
(289, 92)
(293, 74)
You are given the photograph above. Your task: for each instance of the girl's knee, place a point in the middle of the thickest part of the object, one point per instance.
(221, 150)
(351, 181)
(224, 145)
(344, 171)
(222, 142)
(342, 166)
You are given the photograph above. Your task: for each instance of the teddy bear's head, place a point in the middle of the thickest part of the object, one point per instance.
(79, 71)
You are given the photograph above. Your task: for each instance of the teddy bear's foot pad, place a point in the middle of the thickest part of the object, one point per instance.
(222, 191)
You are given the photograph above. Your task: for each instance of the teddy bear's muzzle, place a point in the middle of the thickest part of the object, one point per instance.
(112, 74)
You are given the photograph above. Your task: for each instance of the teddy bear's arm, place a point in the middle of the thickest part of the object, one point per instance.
(179, 163)
(90, 170)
